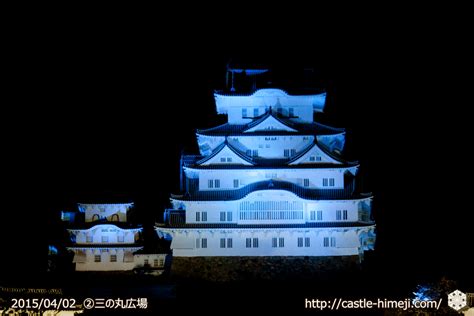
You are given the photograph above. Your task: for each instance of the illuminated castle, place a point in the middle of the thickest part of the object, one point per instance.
(269, 182)
(103, 240)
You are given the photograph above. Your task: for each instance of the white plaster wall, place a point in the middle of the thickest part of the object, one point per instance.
(328, 207)
(347, 242)
(105, 211)
(105, 264)
(249, 176)
(112, 232)
(139, 260)
(265, 98)
(272, 146)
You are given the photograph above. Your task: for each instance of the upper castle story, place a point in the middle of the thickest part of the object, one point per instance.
(250, 92)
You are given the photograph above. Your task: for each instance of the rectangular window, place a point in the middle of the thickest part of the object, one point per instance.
(326, 241)
(306, 182)
(217, 183)
(274, 242)
(161, 262)
(325, 182)
(286, 153)
(204, 242)
(331, 182)
(198, 217)
(222, 159)
(255, 112)
(248, 242)
(312, 158)
(105, 238)
(222, 216)
(244, 113)
(344, 215)
(222, 242)
(255, 242)
(300, 242)
(312, 215)
(198, 243)
(113, 258)
(320, 215)
(229, 242)
(204, 216)
(255, 153)
(229, 216)
(210, 184)
(155, 263)
(329, 242)
(306, 242)
(248, 152)
(338, 215)
(281, 242)
(291, 112)
(97, 258)
(229, 159)
(293, 152)
(120, 238)
(146, 262)
(89, 239)
(318, 158)
(236, 183)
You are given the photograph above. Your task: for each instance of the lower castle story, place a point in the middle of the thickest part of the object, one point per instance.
(272, 241)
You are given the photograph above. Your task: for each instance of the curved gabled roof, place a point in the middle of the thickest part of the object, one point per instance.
(313, 128)
(220, 148)
(325, 151)
(237, 194)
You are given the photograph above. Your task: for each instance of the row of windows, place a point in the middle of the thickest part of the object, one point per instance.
(256, 112)
(201, 216)
(104, 239)
(216, 183)
(213, 183)
(226, 159)
(341, 215)
(113, 258)
(251, 153)
(276, 242)
(227, 218)
(314, 158)
(318, 215)
(271, 205)
(262, 215)
(289, 152)
(328, 182)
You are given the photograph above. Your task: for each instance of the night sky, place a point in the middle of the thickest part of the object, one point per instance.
(105, 119)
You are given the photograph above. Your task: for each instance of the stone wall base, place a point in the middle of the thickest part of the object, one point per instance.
(222, 269)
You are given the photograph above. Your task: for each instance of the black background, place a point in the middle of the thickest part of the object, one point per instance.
(102, 113)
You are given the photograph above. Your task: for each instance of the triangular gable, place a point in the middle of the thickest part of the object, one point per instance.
(270, 123)
(224, 154)
(314, 155)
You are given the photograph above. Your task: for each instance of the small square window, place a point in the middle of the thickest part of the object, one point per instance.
(113, 258)
(97, 258)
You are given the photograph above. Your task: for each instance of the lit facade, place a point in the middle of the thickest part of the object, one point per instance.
(102, 239)
(269, 182)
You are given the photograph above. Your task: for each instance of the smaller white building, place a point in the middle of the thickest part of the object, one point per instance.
(105, 241)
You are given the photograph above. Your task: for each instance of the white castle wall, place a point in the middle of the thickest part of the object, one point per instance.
(237, 178)
(267, 242)
(111, 212)
(273, 201)
(105, 233)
